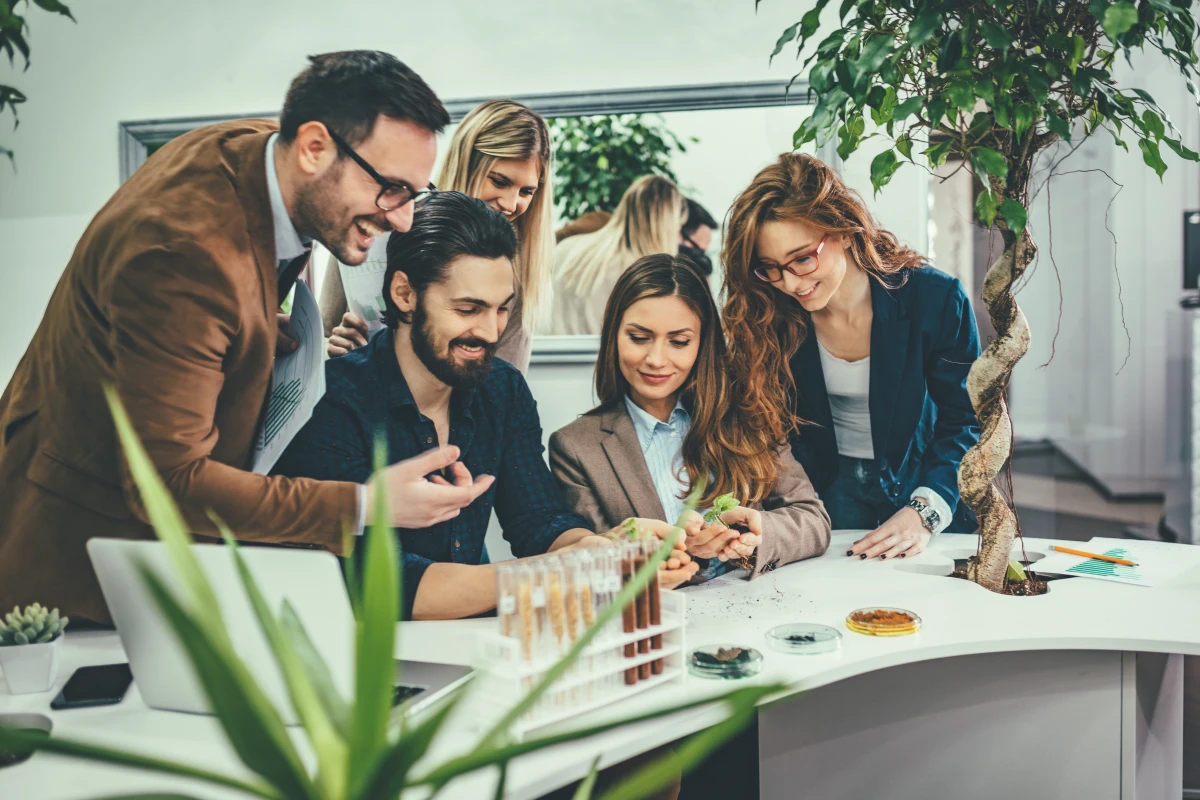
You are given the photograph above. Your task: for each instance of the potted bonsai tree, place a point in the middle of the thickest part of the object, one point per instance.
(994, 83)
(29, 642)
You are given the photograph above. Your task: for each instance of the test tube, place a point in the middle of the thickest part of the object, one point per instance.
(650, 545)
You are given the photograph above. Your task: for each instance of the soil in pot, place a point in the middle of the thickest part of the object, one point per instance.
(1032, 586)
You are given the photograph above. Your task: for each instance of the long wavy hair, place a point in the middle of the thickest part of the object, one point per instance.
(504, 130)
(647, 220)
(797, 187)
(719, 446)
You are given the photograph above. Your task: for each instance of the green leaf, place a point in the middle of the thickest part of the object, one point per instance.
(248, 719)
(811, 21)
(1014, 214)
(1024, 118)
(376, 638)
(1001, 110)
(874, 53)
(986, 90)
(1182, 150)
(393, 768)
(1152, 157)
(922, 28)
(845, 8)
(315, 667)
(905, 144)
(985, 208)
(951, 51)
(906, 108)
(788, 36)
(992, 161)
(1015, 571)
(1059, 126)
(1153, 124)
(937, 153)
(1078, 50)
(883, 167)
(1119, 18)
(1039, 85)
(11, 738)
(326, 738)
(56, 7)
(961, 95)
(588, 784)
(997, 36)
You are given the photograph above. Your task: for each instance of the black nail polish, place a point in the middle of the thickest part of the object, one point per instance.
(902, 555)
(862, 555)
(849, 552)
(883, 557)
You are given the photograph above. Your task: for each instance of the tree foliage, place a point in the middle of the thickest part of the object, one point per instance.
(991, 81)
(14, 33)
(596, 158)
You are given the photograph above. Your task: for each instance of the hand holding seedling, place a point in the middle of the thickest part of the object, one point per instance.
(744, 542)
(679, 566)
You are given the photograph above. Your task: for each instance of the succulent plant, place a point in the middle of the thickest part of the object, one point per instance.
(34, 625)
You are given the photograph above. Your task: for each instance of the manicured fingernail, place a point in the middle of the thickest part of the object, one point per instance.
(902, 555)
(862, 555)
(882, 557)
(849, 552)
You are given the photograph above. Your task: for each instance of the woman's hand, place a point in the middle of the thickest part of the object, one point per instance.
(744, 544)
(704, 539)
(352, 333)
(901, 536)
(679, 566)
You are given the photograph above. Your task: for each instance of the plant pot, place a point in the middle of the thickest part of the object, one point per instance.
(32, 723)
(30, 668)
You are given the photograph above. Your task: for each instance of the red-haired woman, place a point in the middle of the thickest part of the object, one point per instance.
(847, 341)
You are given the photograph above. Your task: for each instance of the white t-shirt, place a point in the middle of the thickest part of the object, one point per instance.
(848, 384)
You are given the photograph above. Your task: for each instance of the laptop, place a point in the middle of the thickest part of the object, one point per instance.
(311, 580)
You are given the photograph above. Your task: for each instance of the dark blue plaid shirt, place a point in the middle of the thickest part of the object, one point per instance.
(496, 427)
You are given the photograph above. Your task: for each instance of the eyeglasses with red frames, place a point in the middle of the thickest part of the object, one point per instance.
(804, 264)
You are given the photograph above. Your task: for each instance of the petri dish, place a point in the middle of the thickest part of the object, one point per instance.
(728, 661)
(804, 638)
(883, 621)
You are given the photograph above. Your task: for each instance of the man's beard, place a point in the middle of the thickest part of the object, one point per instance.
(319, 207)
(468, 375)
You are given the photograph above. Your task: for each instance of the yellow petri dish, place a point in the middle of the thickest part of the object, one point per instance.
(883, 621)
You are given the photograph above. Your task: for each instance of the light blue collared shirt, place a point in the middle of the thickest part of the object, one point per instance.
(289, 244)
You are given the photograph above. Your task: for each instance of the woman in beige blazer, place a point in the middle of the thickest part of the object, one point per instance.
(665, 420)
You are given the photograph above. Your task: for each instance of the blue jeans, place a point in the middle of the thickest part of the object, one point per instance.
(855, 500)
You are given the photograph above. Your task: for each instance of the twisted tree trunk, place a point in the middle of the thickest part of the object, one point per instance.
(987, 384)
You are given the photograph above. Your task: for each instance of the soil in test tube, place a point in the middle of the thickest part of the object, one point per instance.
(629, 616)
(643, 611)
(656, 641)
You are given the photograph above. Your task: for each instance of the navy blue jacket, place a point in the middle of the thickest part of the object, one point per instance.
(923, 342)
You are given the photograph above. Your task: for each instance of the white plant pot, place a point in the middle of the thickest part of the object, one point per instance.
(30, 668)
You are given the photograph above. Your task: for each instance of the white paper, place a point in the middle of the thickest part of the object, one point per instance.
(298, 382)
(1157, 562)
(364, 285)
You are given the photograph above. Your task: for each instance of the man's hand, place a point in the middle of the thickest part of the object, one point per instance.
(351, 334)
(284, 343)
(415, 501)
(901, 536)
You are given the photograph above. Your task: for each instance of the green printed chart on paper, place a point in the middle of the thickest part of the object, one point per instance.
(284, 403)
(373, 316)
(1107, 569)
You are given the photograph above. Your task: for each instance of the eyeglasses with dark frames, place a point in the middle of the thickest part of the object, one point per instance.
(804, 264)
(392, 194)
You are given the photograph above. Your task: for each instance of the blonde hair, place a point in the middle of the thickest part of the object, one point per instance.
(647, 221)
(503, 130)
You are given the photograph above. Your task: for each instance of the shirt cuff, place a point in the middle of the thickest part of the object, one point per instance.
(937, 504)
(360, 519)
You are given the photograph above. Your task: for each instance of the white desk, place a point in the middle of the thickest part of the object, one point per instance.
(1075, 694)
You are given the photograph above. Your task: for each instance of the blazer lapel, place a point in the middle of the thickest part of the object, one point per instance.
(256, 201)
(624, 453)
(889, 351)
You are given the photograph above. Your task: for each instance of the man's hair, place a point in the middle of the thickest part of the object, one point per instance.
(698, 215)
(348, 91)
(447, 226)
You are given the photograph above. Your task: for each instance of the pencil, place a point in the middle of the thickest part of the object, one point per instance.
(1096, 556)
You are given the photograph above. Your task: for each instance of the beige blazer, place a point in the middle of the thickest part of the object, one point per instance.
(598, 462)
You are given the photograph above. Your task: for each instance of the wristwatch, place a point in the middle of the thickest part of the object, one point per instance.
(929, 517)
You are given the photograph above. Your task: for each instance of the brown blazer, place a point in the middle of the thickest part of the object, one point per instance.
(600, 468)
(171, 296)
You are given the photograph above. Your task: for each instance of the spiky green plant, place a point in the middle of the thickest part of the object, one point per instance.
(35, 625)
(358, 754)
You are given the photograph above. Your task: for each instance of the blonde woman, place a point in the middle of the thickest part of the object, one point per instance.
(586, 267)
(501, 155)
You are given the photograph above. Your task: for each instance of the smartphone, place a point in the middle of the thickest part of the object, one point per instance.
(94, 686)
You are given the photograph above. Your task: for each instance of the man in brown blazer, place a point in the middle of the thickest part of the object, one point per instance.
(172, 296)
(600, 468)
